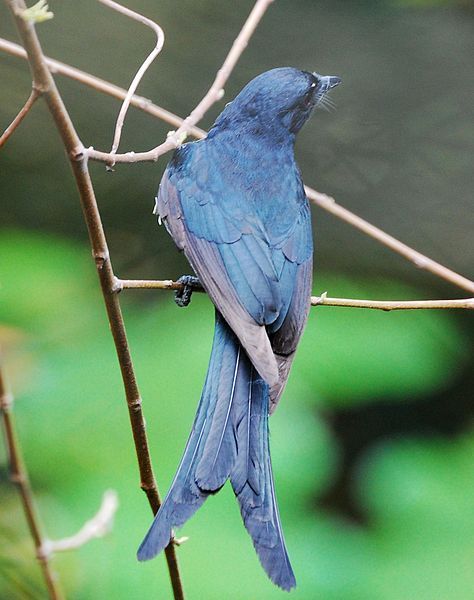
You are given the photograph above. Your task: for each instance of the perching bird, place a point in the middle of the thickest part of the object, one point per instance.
(235, 204)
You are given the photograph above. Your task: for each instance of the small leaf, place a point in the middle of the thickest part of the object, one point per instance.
(37, 13)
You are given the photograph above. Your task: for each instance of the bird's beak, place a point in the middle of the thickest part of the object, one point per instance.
(330, 81)
(333, 81)
(327, 82)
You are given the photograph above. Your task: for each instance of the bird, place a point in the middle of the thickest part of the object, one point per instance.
(235, 204)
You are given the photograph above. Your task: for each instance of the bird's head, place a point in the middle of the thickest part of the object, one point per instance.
(277, 102)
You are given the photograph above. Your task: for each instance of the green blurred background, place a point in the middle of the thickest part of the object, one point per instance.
(373, 442)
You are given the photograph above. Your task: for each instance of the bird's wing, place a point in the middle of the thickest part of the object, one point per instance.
(248, 269)
(285, 340)
(207, 263)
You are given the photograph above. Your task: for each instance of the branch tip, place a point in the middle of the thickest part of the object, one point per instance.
(160, 40)
(179, 541)
(97, 527)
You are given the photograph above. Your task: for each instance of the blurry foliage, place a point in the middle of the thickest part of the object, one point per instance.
(363, 354)
(74, 429)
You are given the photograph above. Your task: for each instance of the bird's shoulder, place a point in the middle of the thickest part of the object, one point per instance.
(227, 190)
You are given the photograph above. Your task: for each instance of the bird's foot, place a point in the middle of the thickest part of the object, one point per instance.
(190, 284)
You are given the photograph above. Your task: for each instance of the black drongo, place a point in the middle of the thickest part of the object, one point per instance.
(235, 204)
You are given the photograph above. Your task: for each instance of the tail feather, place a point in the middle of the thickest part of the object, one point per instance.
(229, 438)
(185, 496)
(220, 448)
(252, 481)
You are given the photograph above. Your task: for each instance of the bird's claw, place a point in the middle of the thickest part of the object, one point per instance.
(190, 283)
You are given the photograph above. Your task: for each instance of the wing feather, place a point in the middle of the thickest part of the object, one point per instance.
(244, 251)
(206, 261)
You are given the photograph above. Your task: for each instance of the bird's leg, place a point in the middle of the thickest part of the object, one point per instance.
(190, 284)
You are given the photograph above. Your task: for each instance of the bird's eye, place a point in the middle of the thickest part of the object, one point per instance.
(309, 96)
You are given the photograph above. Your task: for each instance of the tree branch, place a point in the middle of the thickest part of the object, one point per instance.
(19, 476)
(105, 87)
(100, 524)
(388, 305)
(214, 94)
(322, 200)
(20, 116)
(150, 284)
(418, 259)
(160, 40)
(323, 300)
(44, 81)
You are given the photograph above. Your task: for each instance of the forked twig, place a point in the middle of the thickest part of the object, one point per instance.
(215, 93)
(160, 40)
(19, 476)
(100, 85)
(20, 116)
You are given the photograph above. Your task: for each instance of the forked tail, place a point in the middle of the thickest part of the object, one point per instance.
(229, 439)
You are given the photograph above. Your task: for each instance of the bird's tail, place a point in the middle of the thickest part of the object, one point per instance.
(229, 439)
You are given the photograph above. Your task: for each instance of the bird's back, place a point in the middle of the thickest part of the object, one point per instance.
(248, 200)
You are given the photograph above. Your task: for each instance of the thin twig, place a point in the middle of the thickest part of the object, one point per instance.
(100, 524)
(215, 93)
(151, 284)
(323, 300)
(420, 260)
(43, 79)
(322, 200)
(160, 40)
(20, 116)
(19, 476)
(105, 87)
